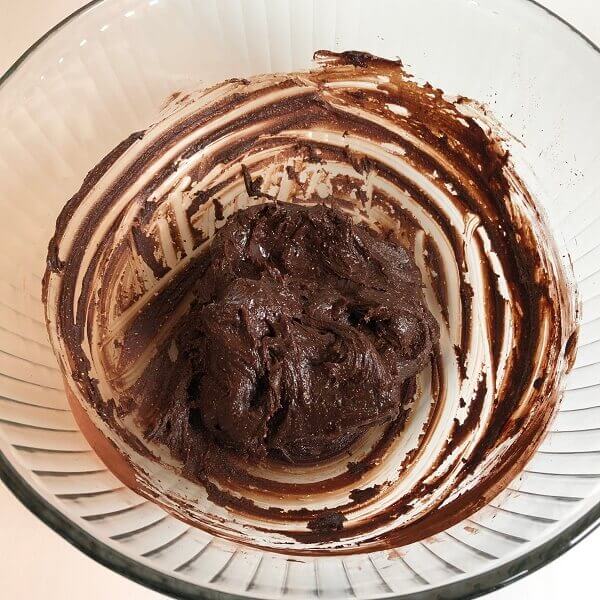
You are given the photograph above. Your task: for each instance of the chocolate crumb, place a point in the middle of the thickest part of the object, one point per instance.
(365, 494)
(328, 521)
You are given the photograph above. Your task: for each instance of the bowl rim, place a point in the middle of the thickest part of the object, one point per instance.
(467, 588)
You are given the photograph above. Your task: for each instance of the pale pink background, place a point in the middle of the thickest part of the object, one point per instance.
(37, 563)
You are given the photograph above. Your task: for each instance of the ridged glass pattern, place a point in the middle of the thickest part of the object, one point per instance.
(106, 73)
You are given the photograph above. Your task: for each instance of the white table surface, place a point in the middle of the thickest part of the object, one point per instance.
(36, 563)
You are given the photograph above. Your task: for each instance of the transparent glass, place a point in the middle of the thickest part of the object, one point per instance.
(104, 73)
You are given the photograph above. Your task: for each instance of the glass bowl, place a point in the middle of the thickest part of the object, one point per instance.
(104, 73)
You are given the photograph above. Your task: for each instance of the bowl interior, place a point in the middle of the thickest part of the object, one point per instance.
(105, 74)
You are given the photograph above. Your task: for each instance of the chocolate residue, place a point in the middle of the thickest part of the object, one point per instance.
(363, 495)
(358, 468)
(327, 522)
(253, 186)
(219, 215)
(122, 290)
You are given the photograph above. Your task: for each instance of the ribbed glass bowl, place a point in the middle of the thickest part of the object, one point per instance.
(104, 73)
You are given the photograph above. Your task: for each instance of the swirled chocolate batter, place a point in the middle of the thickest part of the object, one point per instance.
(303, 334)
(282, 373)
